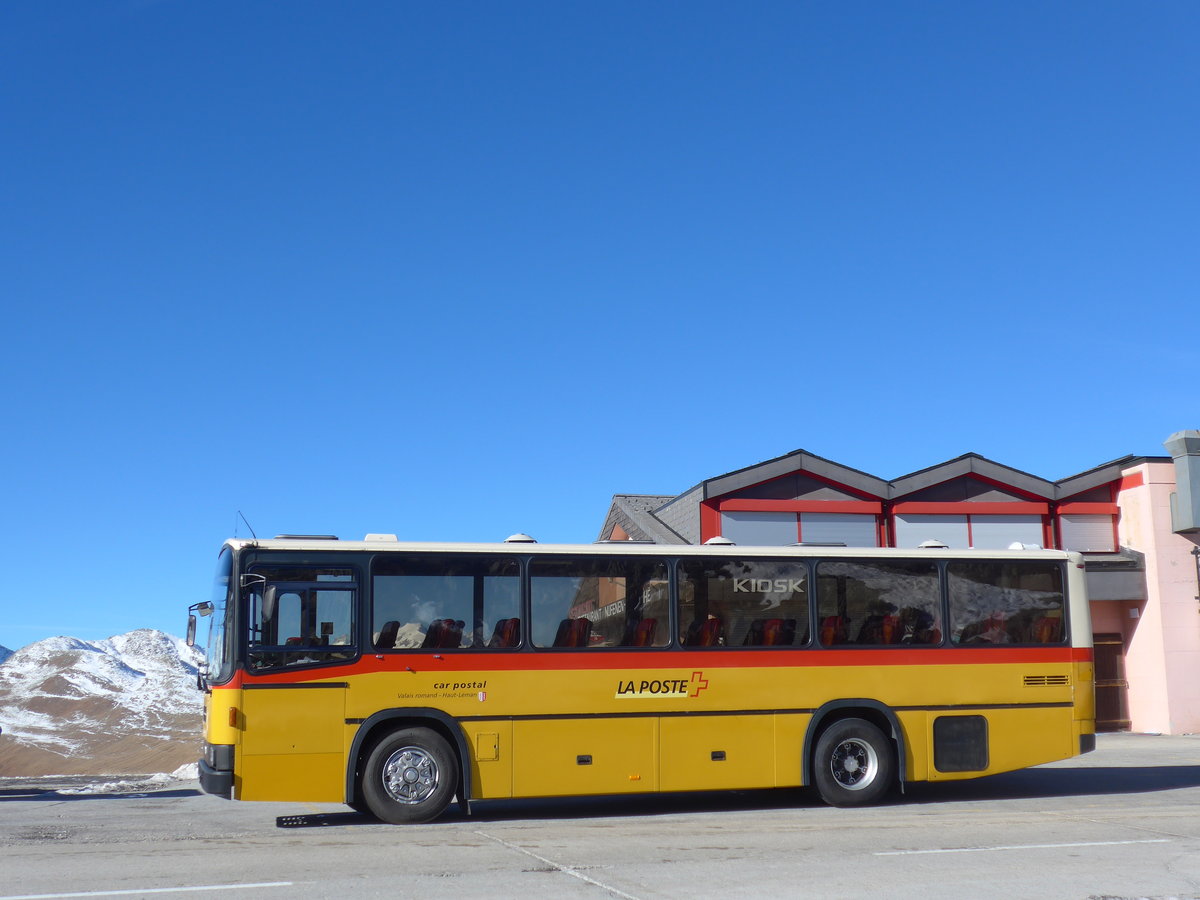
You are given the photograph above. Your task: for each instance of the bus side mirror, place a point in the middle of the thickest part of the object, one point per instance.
(204, 609)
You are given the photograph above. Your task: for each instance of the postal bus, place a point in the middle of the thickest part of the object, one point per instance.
(395, 677)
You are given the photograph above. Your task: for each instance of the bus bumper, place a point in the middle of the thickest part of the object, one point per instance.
(214, 782)
(216, 770)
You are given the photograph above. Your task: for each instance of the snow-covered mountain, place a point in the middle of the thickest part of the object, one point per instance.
(5, 653)
(125, 705)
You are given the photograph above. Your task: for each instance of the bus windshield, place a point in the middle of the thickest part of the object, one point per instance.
(220, 637)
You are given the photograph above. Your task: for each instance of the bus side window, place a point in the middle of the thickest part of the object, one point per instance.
(591, 602)
(312, 620)
(878, 603)
(443, 602)
(1006, 602)
(743, 603)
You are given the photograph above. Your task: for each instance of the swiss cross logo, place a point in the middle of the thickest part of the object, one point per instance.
(697, 684)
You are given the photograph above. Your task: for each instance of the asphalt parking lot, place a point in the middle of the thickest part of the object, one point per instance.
(1123, 822)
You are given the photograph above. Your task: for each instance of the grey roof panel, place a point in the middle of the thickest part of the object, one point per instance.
(968, 464)
(788, 463)
(635, 514)
(1102, 474)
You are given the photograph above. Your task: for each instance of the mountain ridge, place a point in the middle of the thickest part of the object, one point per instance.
(125, 705)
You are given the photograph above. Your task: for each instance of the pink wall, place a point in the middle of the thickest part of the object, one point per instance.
(1109, 617)
(1163, 644)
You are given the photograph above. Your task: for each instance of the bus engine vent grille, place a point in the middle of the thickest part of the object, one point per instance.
(1043, 680)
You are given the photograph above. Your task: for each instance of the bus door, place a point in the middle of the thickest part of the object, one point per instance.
(293, 713)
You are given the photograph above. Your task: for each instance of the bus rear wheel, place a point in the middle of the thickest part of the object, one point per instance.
(853, 764)
(410, 777)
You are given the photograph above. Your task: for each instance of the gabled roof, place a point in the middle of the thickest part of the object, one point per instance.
(972, 464)
(634, 513)
(792, 462)
(1102, 474)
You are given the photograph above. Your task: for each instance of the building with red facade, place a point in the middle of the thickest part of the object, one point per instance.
(1136, 521)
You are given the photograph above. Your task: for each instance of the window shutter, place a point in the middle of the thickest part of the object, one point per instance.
(914, 530)
(851, 529)
(760, 528)
(1087, 532)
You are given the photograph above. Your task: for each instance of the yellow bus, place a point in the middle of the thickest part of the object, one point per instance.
(395, 677)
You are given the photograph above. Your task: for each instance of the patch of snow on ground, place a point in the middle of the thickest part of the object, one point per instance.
(189, 772)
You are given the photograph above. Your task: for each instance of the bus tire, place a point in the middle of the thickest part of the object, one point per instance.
(410, 777)
(853, 764)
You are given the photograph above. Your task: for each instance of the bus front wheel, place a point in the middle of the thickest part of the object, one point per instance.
(853, 764)
(410, 777)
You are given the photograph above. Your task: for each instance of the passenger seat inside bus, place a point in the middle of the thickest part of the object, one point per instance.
(573, 633)
(833, 630)
(770, 633)
(443, 634)
(507, 633)
(1047, 629)
(641, 634)
(880, 629)
(705, 633)
(387, 635)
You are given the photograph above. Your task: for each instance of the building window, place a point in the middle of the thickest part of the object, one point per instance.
(850, 529)
(1000, 532)
(914, 530)
(760, 529)
(780, 529)
(1087, 533)
(981, 532)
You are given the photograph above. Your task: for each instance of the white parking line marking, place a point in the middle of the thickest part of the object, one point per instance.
(566, 870)
(1012, 847)
(142, 891)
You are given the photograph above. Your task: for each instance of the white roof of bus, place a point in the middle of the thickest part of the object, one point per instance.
(388, 544)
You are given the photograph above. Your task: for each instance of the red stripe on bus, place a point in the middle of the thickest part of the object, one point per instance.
(617, 661)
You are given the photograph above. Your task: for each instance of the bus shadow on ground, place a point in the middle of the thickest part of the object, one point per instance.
(1025, 784)
(583, 807)
(1057, 782)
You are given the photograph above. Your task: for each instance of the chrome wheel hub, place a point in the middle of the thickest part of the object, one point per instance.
(410, 775)
(853, 764)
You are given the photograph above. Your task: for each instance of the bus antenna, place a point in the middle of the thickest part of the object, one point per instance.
(243, 518)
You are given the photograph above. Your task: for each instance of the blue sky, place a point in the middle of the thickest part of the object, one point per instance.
(458, 269)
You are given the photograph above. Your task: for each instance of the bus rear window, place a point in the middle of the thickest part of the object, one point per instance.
(1005, 602)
